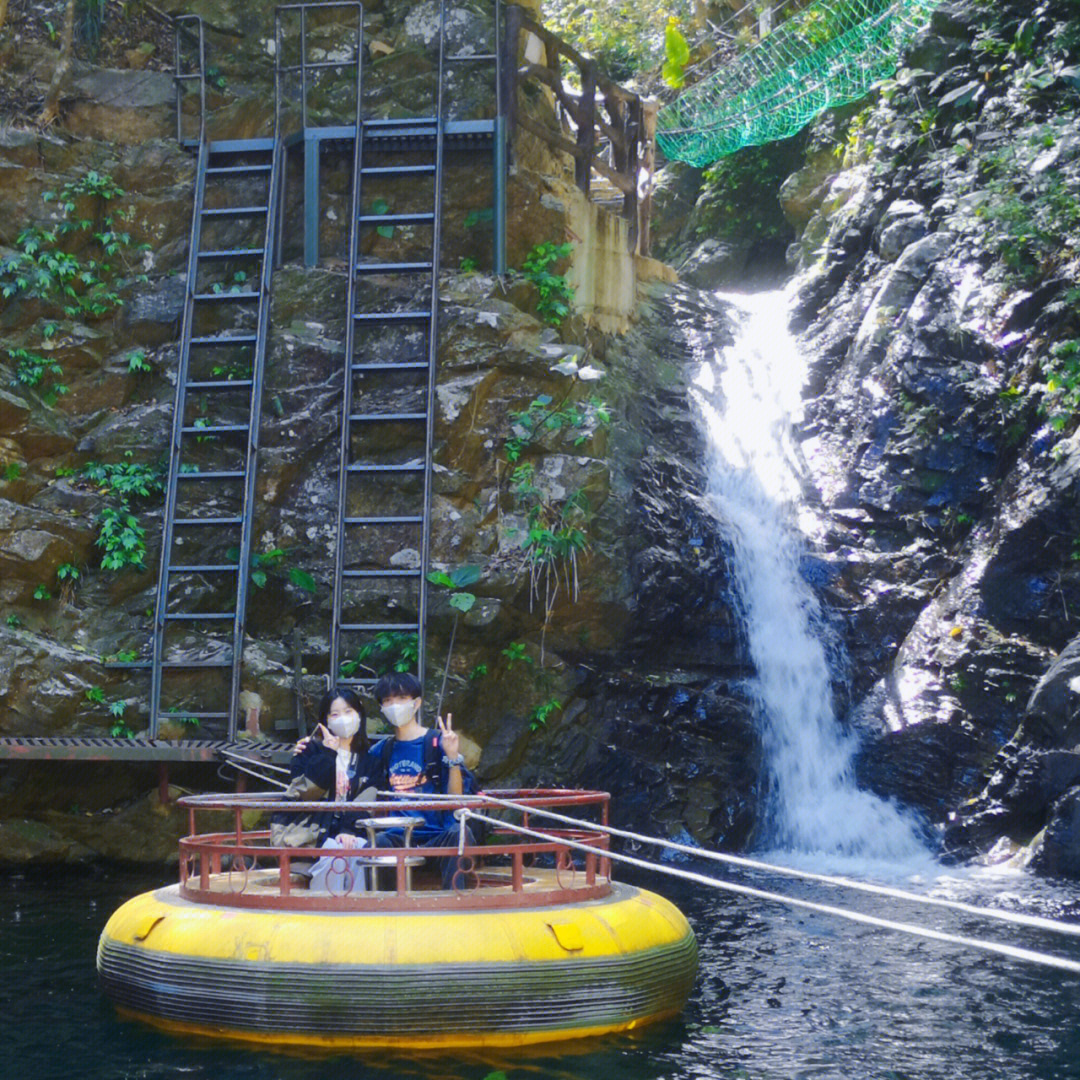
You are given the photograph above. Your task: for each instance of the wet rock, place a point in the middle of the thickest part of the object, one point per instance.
(153, 316)
(1054, 708)
(1056, 852)
(714, 264)
(902, 224)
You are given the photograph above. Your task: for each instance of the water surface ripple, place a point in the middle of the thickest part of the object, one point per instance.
(780, 996)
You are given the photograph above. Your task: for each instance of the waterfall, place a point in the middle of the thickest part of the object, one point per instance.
(749, 395)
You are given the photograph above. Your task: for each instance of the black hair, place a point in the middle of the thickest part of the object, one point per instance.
(352, 699)
(397, 682)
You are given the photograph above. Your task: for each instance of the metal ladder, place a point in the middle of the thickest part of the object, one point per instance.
(366, 536)
(215, 431)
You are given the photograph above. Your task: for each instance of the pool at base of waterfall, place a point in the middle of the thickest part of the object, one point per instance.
(781, 995)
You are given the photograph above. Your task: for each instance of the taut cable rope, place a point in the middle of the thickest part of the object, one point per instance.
(1016, 918)
(1010, 951)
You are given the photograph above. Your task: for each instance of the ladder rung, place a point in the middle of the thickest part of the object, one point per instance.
(234, 211)
(409, 121)
(379, 573)
(220, 384)
(405, 365)
(173, 715)
(241, 146)
(221, 474)
(221, 170)
(228, 253)
(207, 521)
(195, 616)
(378, 626)
(355, 682)
(226, 339)
(201, 568)
(464, 58)
(388, 417)
(196, 664)
(226, 296)
(397, 219)
(179, 714)
(390, 316)
(393, 267)
(216, 429)
(316, 65)
(395, 170)
(417, 467)
(393, 519)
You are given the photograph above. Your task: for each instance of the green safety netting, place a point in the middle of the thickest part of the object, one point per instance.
(828, 54)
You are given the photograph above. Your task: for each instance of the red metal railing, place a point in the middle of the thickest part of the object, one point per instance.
(241, 868)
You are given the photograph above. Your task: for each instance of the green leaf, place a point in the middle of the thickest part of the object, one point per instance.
(677, 55)
(462, 601)
(258, 578)
(437, 577)
(302, 580)
(386, 231)
(465, 575)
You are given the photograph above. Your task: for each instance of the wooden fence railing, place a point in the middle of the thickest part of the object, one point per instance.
(612, 129)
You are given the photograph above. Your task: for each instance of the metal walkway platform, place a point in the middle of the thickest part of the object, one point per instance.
(84, 748)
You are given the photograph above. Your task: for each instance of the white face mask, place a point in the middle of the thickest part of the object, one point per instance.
(345, 725)
(400, 713)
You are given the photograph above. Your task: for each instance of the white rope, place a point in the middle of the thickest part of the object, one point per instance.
(235, 763)
(1011, 951)
(252, 761)
(1016, 918)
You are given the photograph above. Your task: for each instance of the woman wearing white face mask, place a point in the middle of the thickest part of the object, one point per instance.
(330, 760)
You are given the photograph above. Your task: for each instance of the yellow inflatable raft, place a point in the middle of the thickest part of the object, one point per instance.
(526, 955)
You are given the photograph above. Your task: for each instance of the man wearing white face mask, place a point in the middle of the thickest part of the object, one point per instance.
(418, 761)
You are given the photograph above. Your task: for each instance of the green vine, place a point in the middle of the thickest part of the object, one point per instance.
(555, 294)
(120, 534)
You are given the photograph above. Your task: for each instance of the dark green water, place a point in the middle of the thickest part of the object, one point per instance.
(780, 996)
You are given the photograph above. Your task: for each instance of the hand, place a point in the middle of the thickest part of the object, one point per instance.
(451, 741)
(331, 742)
(301, 744)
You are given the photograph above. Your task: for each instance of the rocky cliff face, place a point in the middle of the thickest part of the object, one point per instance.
(612, 664)
(936, 257)
(937, 291)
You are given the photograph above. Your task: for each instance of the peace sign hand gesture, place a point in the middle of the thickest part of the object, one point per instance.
(451, 741)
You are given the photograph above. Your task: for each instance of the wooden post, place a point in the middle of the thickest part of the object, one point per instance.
(630, 165)
(649, 109)
(586, 135)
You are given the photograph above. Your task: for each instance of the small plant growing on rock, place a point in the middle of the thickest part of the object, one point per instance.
(515, 652)
(120, 535)
(555, 293)
(461, 601)
(390, 650)
(31, 371)
(13, 621)
(67, 574)
(138, 364)
(42, 593)
(538, 718)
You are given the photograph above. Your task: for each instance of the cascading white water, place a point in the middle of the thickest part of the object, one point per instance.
(750, 394)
